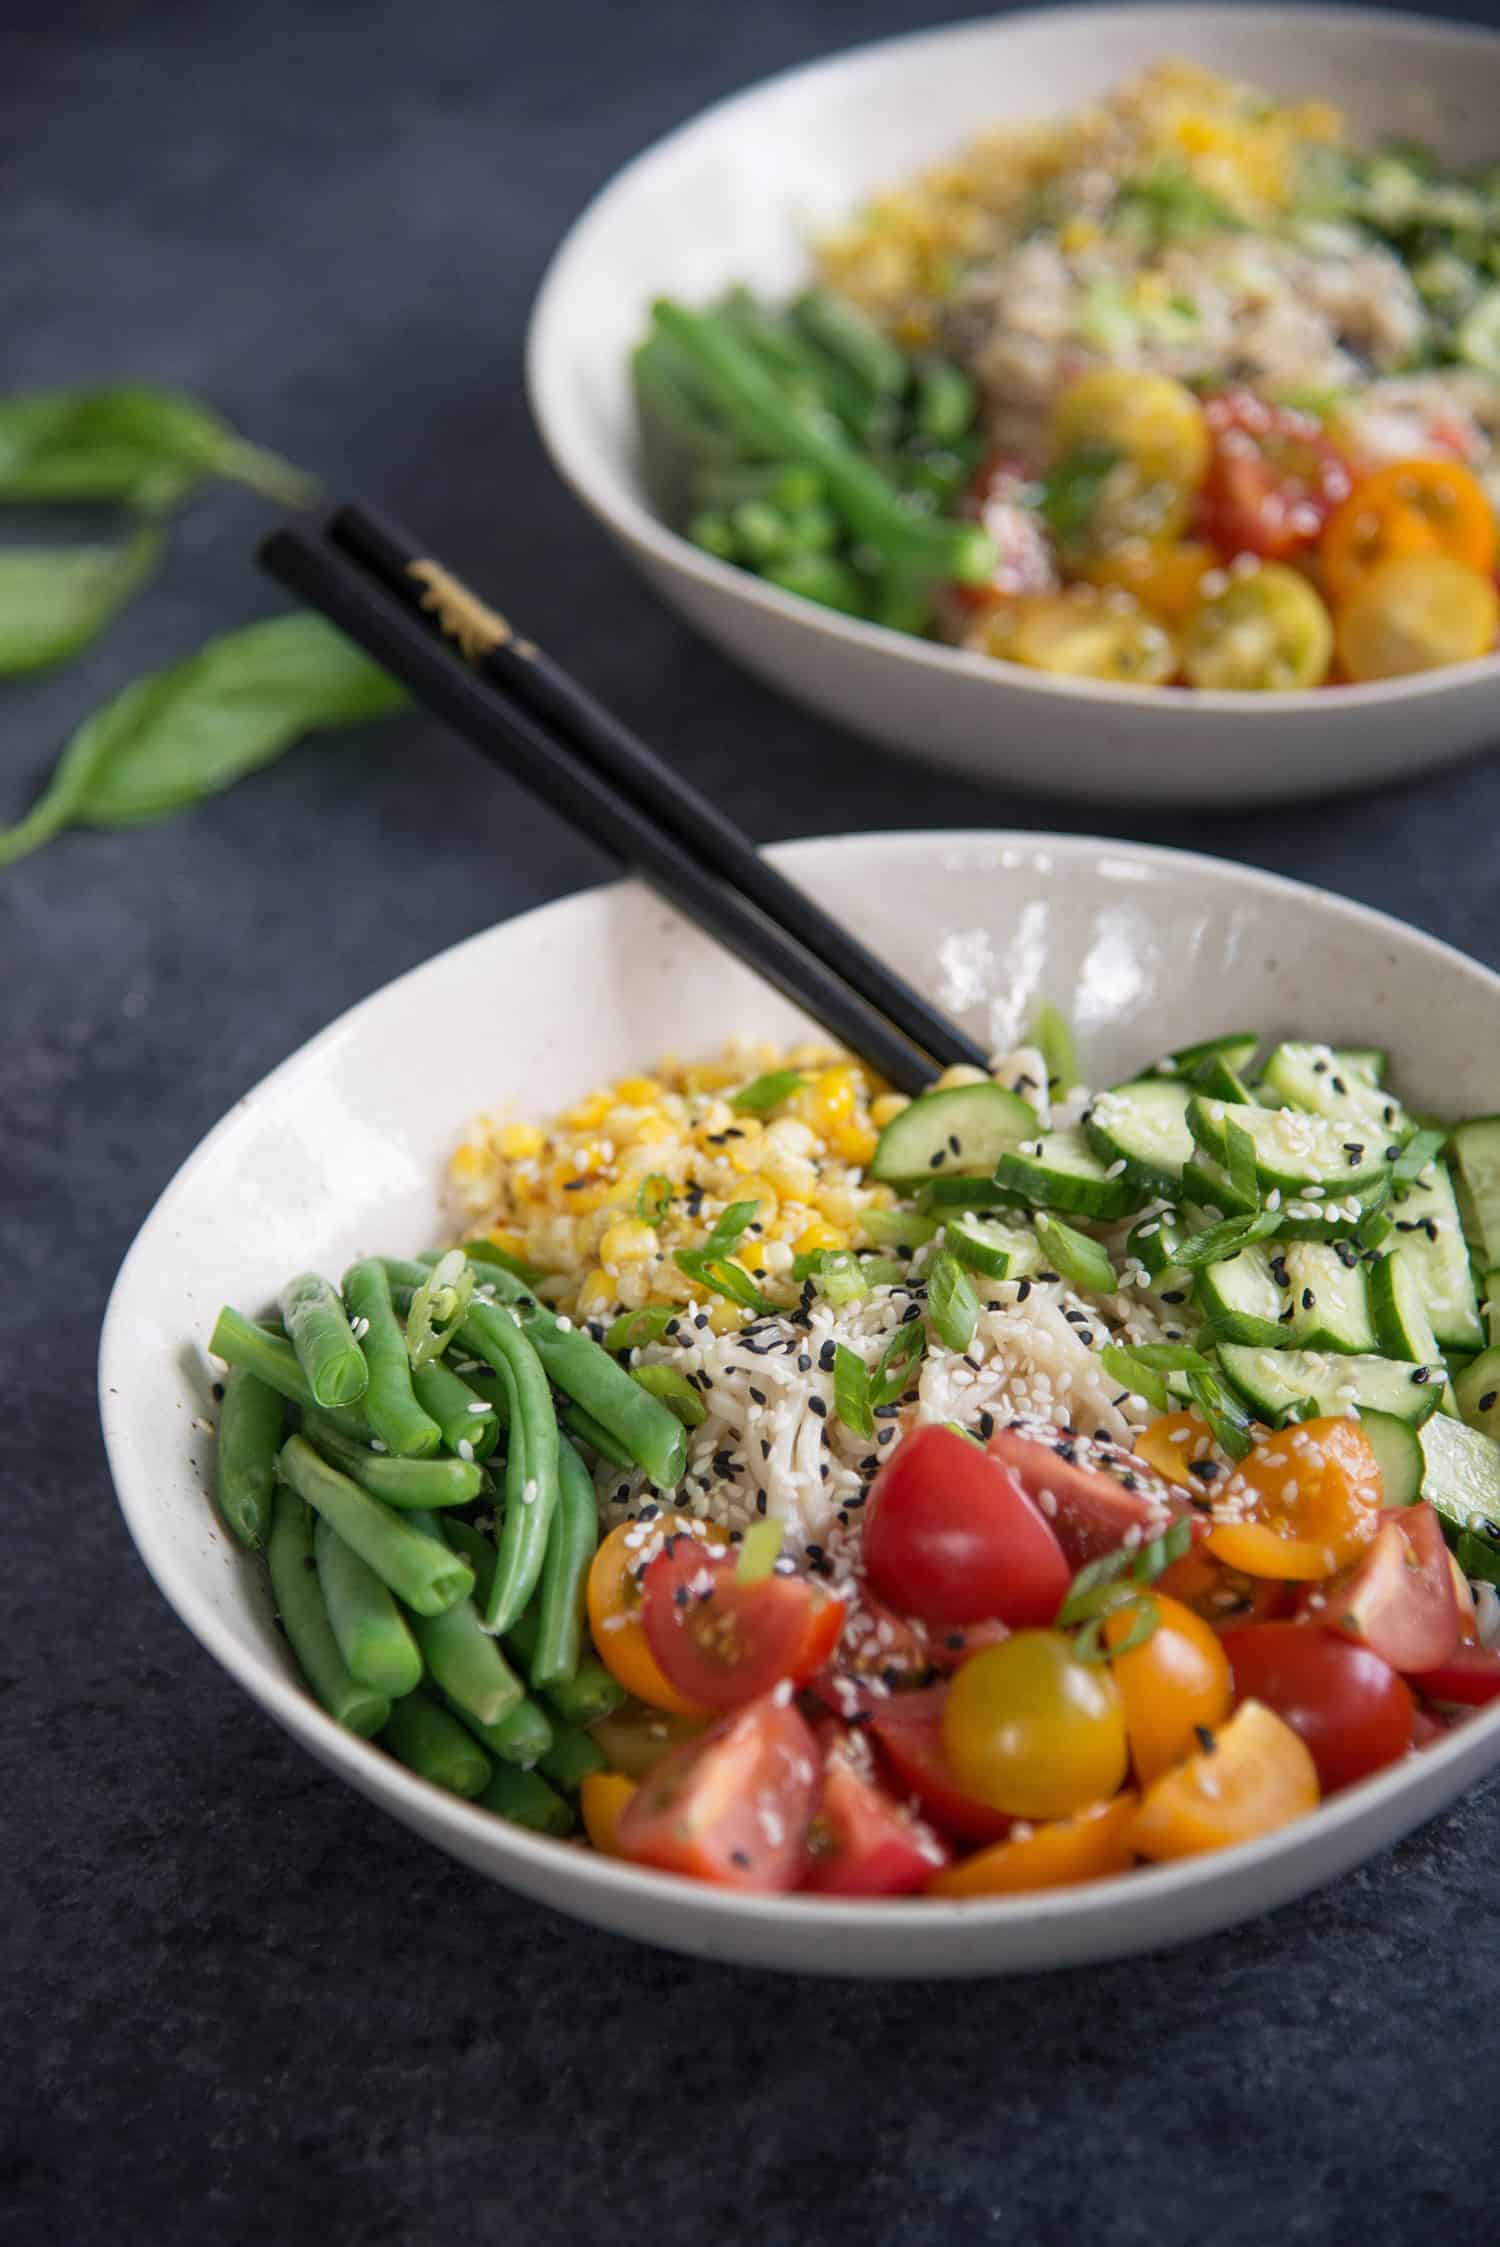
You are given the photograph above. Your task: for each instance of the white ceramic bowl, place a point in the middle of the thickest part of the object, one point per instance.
(738, 193)
(342, 1150)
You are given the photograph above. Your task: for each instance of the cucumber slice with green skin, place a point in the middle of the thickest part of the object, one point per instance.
(965, 1129)
(1402, 1326)
(1207, 1183)
(1477, 1393)
(1368, 1061)
(1001, 1252)
(1294, 1150)
(1475, 1149)
(1398, 1449)
(1490, 1307)
(1461, 1476)
(1330, 1299)
(1236, 1048)
(1144, 1126)
(1429, 1239)
(1215, 1078)
(1064, 1173)
(1242, 1298)
(936, 1196)
(1154, 1244)
(1274, 1382)
(1334, 1217)
(1336, 1081)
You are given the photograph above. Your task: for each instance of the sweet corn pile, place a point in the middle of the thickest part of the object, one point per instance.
(585, 1198)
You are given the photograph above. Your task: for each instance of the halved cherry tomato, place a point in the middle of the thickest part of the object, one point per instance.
(861, 1842)
(603, 1797)
(952, 1536)
(1304, 1503)
(732, 1807)
(907, 1728)
(614, 1604)
(1426, 1728)
(1083, 633)
(1256, 1777)
(1399, 1599)
(1266, 632)
(1225, 1597)
(1345, 1702)
(1091, 1508)
(1273, 478)
(1174, 1683)
(1166, 580)
(636, 1736)
(997, 499)
(1032, 1731)
(1411, 507)
(1171, 1442)
(1470, 1676)
(719, 1642)
(1088, 1846)
(1155, 428)
(1416, 612)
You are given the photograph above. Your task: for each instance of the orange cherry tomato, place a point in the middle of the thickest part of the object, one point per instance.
(1173, 1684)
(602, 1798)
(1305, 1503)
(1416, 612)
(1169, 1443)
(1410, 507)
(1088, 1846)
(1257, 1776)
(614, 1604)
(1167, 580)
(1224, 1597)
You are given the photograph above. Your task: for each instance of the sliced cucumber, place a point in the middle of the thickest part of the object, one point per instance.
(1219, 1081)
(1209, 1185)
(1065, 1173)
(1334, 1217)
(965, 1129)
(1294, 1150)
(1144, 1125)
(1475, 1149)
(1154, 1244)
(1242, 1298)
(1003, 1252)
(1336, 1081)
(1329, 1298)
(1477, 1390)
(1491, 1306)
(1400, 1315)
(1429, 1240)
(1236, 1048)
(1368, 1061)
(1274, 1382)
(940, 1195)
(1398, 1448)
(1461, 1474)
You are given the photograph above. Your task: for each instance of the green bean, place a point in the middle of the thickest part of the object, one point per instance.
(403, 1483)
(903, 604)
(377, 1647)
(390, 1402)
(239, 1341)
(299, 1603)
(755, 406)
(786, 484)
(477, 1551)
(484, 1251)
(805, 372)
(711, 529)
(428, 1579)
(248, 1440)
(435, 1745)
(590, 1693)
(945, 402)
(761, 532)
(526, 1800)
(531, 1483)
(320, 1334)
(571, 1545)
(652, 1436)
(571, 1757)
(460, 1654)
(580, 1425)
(823, 578)
(458, 1410)
(522, 1737)
(846, 335)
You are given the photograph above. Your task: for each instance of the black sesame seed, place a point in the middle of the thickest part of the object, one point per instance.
(1174, 1295)
(1488, 1400)
(816, 1404)
(1338, 1084)
(760, 1501)
(1421, 1375)
(986, 1425)
(935, 1162)
(757, 1396)
(1309, 1300)
(826, 1357)
(1023, 1289)
(1207, 1470)
(1204, 1738)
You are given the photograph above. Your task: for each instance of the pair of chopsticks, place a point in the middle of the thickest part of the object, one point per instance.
(509, 700)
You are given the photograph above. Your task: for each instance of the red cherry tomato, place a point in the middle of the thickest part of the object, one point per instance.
(1399, 1599)
(861, 1841)
(1352, 1711)
(997, 499)
(721, 1642)
(951, 1535)
(732, 1806)
(1273, 478)
(1092, 1495)
(908, 1730)
(1470, 1676)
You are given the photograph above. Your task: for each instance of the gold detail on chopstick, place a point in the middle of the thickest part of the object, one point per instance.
(462, 615)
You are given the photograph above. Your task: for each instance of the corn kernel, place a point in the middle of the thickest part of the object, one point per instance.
(588, 1112)
(789, 1136)
(819, 1234)
(597, 1291)
(629, 1242)
(637, 1092)
(506, 1237)
(756, 1187)
(839, 1206)
(853, 1142)
(887, 1108)
(515, 1141)
(792, 1176)
(467, 1161)
(961, 1072)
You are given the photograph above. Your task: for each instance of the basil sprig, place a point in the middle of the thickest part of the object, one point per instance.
(132, 446)
(55, 599)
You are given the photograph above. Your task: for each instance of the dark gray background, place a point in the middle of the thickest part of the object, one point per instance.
(242, 2004)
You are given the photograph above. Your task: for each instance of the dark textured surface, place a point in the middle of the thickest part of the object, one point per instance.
(240, 2003)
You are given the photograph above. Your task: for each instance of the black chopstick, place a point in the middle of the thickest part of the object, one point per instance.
(530, 752)
(612, 749)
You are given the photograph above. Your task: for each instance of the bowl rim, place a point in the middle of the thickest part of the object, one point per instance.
(473, 1834)
(599, 480)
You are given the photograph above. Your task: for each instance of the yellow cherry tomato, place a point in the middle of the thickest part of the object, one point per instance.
(1266, 632)
(1166, 580)
(1085, 634)
(1089, 1846)
(636, 1736)
(1305, 1503)
(1412, 507)
(602, 1798)
(1416, 612)
(1030, 1730)
(1155, 429)
(1256, 1777)
(1173, 1683)
(614, 1601)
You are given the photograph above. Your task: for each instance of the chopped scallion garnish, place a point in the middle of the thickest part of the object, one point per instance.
(952, 1304)
(764, 1093)
(1080, 1259)
(760, 1549)
(851, 1391)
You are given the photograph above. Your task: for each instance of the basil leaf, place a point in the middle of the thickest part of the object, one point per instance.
(952, 1304)
(179, 735)
(851, 1391)
(762, 1094)
(133, 444)
(55, 599)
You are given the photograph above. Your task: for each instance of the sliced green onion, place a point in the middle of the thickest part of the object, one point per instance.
(1415, 1156)
(851, 1391)
(653, 1197)
(1375, 1227)
(439, 1307)
(1052, 1035)
(899, 1359)
(1216, 1243)
(634, 1328)
(952, 1304)
(1082, 1261)
(675, 1391)
(1239, 1161)
(1091, 1646)
(720, 1277)
(760, 1549)
(730, 1229)
(1141, 1380)
(1168, 1357)
(762, 1094)
(1228, 1423)
(485, 1252)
